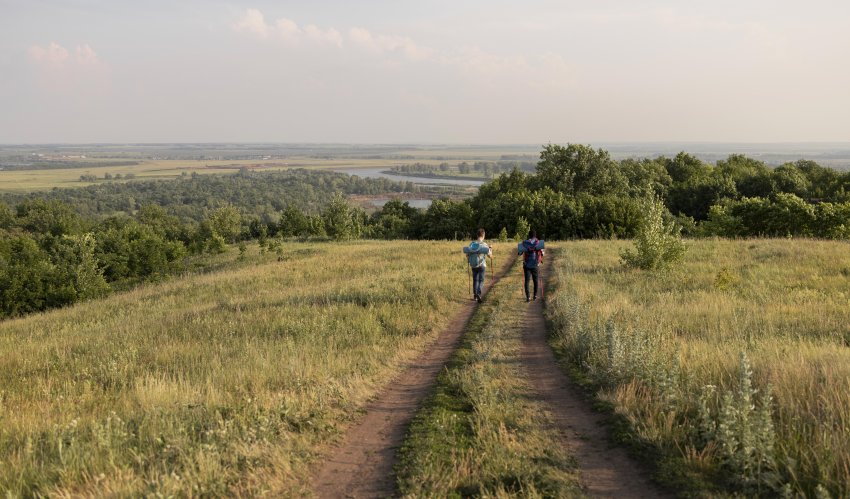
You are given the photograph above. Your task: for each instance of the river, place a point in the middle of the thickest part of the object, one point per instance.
(379, 173)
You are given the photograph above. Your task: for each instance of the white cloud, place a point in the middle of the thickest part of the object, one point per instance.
(287, 29)
(329, 35)
(254, 22)
(52, 55)
(389, 44)
(56, 56)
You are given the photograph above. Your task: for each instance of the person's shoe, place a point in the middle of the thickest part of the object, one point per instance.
(527, 299)
(535, 298)
(480, 300)
(475, 298)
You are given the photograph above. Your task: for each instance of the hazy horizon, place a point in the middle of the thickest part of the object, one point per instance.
(430, 73)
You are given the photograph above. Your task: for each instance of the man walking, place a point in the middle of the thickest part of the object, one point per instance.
(532, 255)
(477, 253)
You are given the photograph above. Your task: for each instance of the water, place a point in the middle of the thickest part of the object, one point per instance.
(416, 203)
(379, 173)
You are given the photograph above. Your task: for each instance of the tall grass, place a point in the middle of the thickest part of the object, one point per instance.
(480, 434)
(220, 384)
(735, 365)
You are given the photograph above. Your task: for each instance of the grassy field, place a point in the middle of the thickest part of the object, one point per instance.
(225, 384)
(480, 435)
(734, 367)
(39, 180)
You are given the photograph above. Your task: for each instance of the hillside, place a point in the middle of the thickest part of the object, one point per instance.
(731, 366)
(221, 384)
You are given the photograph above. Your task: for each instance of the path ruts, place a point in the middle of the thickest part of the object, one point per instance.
(362, 465)
(606, 471)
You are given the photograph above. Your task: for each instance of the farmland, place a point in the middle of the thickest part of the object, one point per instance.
(174, 162)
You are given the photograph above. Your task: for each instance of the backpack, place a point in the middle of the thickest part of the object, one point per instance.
(532, 253)
(476, 254)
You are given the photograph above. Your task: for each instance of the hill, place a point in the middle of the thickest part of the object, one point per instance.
(219, 384)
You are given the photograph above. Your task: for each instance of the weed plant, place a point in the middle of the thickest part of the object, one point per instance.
(734, 367)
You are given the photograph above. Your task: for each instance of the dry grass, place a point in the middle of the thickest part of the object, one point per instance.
(782, 302)
(220, 384)
(480, 435)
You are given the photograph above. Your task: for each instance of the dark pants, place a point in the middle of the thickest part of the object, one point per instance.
(477, 280)
(530, 274)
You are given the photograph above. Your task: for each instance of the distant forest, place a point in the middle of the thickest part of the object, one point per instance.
(65, 245)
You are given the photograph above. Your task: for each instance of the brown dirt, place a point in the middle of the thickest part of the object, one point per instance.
(362, 465)
(606, 471)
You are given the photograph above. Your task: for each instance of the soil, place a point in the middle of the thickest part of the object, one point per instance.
(606, 470)
(362, 465)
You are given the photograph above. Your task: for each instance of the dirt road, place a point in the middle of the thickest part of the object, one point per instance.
(362, 465)
(606, 471)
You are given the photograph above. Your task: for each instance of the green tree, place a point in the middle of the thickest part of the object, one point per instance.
(522, 229)
(578, 169)
(82, 267)
(447, 219)
(226, 222)
(293, 222)
(340, 220)
(658, 243)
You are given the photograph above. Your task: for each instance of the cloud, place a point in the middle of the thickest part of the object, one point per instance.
(53, 55)
(61, 71)
(390, 44)
(253, 21)
(329, 35)
(56, 56)
(489, 69)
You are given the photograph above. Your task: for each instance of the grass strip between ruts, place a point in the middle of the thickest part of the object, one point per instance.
(479, 434)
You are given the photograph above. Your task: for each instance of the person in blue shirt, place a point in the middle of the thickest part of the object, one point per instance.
(532, 256)
(477, 253)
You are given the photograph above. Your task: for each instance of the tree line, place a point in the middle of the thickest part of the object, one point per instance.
(62, 246)
(580, 192)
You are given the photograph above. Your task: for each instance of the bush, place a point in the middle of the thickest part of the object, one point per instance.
(658, 243)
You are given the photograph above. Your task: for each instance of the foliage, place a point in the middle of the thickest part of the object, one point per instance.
(341, 221)
(522, 229)
(658, 243)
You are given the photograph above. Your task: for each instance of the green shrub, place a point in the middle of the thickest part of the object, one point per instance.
(658, 243)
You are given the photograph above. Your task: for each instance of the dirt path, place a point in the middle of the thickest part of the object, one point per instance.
(362, 466)
(606, 471)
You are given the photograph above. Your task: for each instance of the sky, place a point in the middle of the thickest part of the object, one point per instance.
(426, 71)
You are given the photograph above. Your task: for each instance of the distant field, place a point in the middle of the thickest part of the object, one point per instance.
(665, 352)
(39, 180)
(224, 384)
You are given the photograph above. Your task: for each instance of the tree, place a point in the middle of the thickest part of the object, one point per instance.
(447, 219)
(578, 168)
(293, 222)
(395, 220)
(226, 222)
(522, 229)
(340, 220)
(658, 243)
(82, 267)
